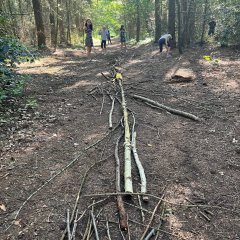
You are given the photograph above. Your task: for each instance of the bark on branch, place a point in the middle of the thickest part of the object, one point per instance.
(169, 109)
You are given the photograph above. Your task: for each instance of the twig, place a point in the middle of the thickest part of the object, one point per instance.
(138, 162)
(75, 225)
(108, 231)
(150, 234)
(151, 219)
(141, 209)
(120, 205)
(68, 226)
(88, 226)
(169, 109)
(80, 190)
(161, 221)
(94, 226)
(111, 112)
(103, 100)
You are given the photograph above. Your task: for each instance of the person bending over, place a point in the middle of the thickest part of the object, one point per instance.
(165, 40)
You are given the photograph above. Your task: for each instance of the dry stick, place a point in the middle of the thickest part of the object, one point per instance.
(86, 230)
(68, 226)
(91, 223)
(120, 205)
(94, 226)
(108, 231)
(111, 112)
(127, 144)
(169, 109)
(151, 219)
(141, 209)
(75, 225)
(103, 100)
(151, 233)
(138, 162)
(159, 198)
(161, 221)
(80, 190)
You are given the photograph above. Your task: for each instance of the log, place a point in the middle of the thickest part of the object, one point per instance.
(127, 144)
(169, 109)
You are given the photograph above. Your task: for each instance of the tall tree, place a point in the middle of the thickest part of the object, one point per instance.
(39, 23)
(138, 26)
(204, 20)
(179, 27)
(157, 20)
(172, 19)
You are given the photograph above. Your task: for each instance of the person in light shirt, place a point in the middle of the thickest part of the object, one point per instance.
(165, 40)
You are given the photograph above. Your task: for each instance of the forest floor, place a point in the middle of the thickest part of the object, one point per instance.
(194, 166)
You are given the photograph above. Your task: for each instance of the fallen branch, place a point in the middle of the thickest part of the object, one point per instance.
(141, 209)
(127, 143)
(111, 112)
(138, 162)
(94, 226)
(68, 226)
(169, 109)
(120, 205)
(108, 231)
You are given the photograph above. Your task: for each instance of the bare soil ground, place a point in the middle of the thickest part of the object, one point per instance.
(196, 165)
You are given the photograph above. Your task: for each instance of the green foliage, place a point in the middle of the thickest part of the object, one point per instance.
(228, 22)
(12, 52)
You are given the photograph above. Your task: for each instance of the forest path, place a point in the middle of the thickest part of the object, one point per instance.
(195, 161)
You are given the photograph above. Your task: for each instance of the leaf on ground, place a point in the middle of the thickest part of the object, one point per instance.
(17, 223)
(2, 206)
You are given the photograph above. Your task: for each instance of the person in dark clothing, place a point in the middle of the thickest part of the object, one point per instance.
(109, 37)
(212, 26)
(89, 40)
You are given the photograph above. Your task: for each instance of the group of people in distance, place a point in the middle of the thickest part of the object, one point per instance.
(105, 36)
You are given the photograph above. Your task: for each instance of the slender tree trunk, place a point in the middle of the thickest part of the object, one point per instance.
(157, 20)
(179, 27)
(68, 22)
(52, 27)
(39, 23)
(56, 29)
(191, 27)
(172, 20)
(61, 23)
(204, 21)
(138, 22)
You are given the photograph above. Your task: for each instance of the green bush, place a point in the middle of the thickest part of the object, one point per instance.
(12, 52)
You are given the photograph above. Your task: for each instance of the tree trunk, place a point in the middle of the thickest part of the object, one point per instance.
(179, 27)
(157, 20)
(52, 27)
(172, 20)
(39, 23)
(138, 22)
(61, 23)
(204, 21)
(68, 4)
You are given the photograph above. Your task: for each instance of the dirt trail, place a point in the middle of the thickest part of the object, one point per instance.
(197, 162)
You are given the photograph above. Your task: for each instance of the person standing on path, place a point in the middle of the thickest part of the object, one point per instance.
(122, 32)
(165, 40)
(104, 35)
(89, 40)
(109, 37)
